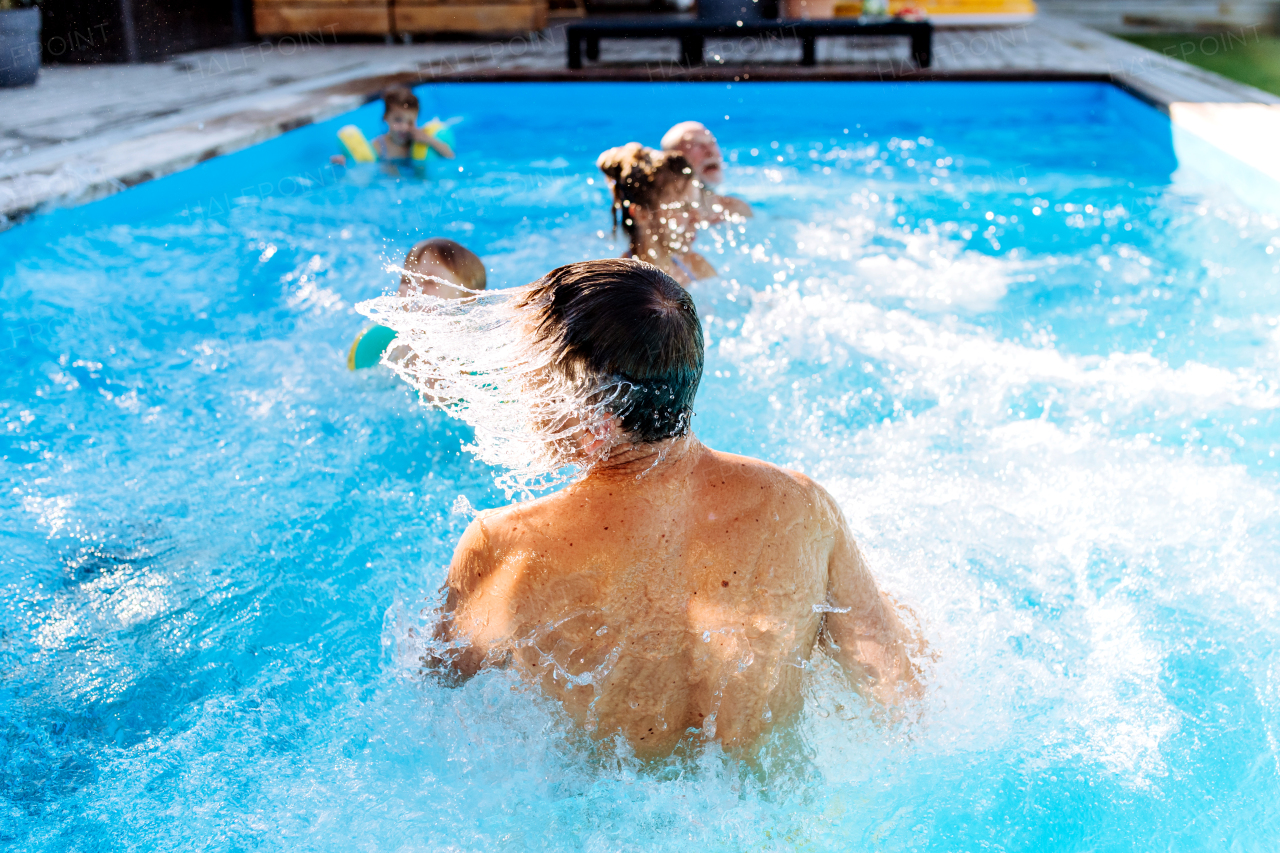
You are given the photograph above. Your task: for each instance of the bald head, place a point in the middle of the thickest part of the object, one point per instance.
(699, 147)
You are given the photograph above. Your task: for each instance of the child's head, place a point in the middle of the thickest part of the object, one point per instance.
(400, 112)
(699, 147)
(439, 258)
(654, 191)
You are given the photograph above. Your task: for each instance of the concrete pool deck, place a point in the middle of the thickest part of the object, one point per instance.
(83, 132)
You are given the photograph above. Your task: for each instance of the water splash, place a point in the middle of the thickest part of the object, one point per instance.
(475, 359)
(462, 506)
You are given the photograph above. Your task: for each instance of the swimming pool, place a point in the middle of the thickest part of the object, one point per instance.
(1030, 350)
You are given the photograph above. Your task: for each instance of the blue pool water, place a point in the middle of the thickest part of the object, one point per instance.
(1027, 342)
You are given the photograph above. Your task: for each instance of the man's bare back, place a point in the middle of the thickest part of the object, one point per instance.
(688, 597)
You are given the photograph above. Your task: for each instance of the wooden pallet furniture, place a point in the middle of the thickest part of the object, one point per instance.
(327, 18)
(693, 34)
(397, 17)
(416, 17)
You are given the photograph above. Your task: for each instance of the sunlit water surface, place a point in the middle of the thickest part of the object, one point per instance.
(1032, 355)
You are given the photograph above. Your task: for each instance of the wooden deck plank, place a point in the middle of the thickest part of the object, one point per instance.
(345, 19)
(479, 17)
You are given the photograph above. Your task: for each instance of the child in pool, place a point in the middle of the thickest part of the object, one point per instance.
(438, 258)
(436, 267)
(699, 147)
(400, 112)
(659, 200)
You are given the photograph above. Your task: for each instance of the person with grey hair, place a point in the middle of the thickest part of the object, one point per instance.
(671, 591)
(696, 144)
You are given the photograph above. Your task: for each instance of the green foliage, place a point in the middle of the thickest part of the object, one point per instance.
(1242, 55)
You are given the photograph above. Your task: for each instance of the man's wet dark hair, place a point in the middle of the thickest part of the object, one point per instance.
(623, 319)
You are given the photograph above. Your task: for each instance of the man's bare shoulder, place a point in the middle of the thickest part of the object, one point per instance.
(515, 525)
(756, 471)
(750, 478)
(491, 538)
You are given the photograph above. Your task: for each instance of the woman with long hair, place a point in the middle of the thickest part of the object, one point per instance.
(656, 199)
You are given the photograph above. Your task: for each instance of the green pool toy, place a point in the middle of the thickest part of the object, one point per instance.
(367, 349)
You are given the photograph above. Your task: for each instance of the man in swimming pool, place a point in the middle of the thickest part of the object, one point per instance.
(699, 147)
(673, 589)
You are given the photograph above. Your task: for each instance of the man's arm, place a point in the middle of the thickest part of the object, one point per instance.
(863, 631)
(472, 561)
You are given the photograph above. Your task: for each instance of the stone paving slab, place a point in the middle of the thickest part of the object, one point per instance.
(83, 132)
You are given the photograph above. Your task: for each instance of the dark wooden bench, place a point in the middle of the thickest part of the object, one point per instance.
(693, 34)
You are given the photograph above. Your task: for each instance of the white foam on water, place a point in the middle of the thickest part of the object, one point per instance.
(943, 357)
(935, 273)
(1054, 534)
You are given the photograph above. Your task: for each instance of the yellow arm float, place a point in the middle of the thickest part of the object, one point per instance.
(440, 130)
(358, 148)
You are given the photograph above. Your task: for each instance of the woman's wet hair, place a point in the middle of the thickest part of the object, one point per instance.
(642, 177)
(625, 325)
(398, 98)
